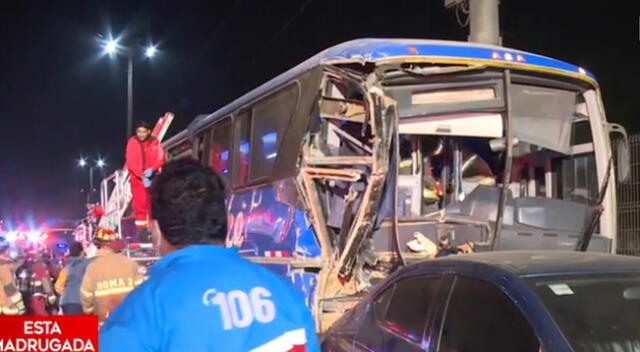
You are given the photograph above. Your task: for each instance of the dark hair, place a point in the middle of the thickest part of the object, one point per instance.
(143, 124)
(76, 249)
(188, 201)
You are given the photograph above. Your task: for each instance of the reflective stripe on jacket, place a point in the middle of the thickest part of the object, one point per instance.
(10, 297)
(106, 282)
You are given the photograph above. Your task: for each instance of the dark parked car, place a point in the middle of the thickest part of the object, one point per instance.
(499, 301)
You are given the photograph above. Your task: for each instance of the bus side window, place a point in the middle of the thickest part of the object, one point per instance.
(270, 122)
(243, 138)
(201, 148)
(220, 151)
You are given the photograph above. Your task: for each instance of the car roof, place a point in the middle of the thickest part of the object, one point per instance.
(536, 263)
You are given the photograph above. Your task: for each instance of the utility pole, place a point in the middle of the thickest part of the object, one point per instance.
(483, 19)
(484, 22)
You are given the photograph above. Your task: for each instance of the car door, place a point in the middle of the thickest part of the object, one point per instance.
(479, 317)
(398, 318)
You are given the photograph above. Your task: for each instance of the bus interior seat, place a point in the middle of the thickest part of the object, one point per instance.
(539, 212)
(552, 214)
(482, 203)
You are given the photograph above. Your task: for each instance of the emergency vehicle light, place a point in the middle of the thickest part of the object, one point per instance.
(33, 236)
(11, 236)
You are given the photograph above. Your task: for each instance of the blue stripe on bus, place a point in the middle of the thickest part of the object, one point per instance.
(371, 50)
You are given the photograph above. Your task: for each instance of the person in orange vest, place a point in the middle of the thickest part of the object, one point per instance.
(36, 284)
(144, 159)
(11, 302)
(109, 277)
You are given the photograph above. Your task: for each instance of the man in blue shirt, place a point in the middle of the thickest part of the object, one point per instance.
(202, 296)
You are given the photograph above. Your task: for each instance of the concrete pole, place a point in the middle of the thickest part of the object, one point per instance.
(484, 22)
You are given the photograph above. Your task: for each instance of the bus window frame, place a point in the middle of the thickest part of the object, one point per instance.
(201, 148)
(170, 151)
(235, 161)
(210, 131)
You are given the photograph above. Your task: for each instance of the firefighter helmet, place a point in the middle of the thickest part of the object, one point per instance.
(108, 238)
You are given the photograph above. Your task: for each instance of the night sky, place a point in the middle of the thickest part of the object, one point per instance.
(60, 99)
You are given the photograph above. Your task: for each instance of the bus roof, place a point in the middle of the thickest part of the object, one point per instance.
(381, 51)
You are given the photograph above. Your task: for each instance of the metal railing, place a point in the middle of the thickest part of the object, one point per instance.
(116, 202)
(628, 198)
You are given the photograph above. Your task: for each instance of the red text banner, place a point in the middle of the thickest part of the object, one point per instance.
(48, 334)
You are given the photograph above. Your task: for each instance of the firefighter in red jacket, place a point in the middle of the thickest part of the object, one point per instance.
(35, 282)
(145, 158)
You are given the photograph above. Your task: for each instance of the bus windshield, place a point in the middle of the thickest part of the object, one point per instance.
(452, 141)
(576, 304)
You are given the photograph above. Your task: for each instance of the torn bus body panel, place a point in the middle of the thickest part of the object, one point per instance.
(363, 223)
(342, 169)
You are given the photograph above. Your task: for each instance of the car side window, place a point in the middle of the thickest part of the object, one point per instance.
(381, 303)
(408, 307)
(480, 317)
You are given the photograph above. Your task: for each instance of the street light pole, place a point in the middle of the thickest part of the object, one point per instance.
(129, 96)
(112, 48)
(82, 163)
(90, 193)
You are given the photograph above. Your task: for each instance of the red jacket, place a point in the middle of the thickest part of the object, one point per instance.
(144, 155)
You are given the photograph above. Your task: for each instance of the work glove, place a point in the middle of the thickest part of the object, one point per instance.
(146, 182)
(148, 173)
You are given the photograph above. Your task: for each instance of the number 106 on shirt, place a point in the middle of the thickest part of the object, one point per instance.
(239, 309)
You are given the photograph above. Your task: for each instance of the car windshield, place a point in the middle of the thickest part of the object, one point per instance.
(596, 312)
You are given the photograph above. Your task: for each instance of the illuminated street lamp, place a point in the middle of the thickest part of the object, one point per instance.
(82, 163)
(112, 47)
(150, 51)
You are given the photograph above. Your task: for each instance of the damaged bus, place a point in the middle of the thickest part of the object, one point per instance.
(338, 166)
